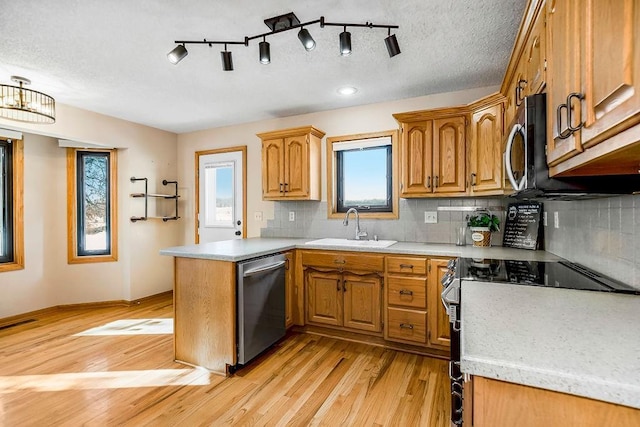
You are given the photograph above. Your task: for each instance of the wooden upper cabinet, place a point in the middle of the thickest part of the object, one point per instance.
(449, 139)
(432, 153)
(291, 164)
(485, 148)
(272, 167)
(535, 59)
(610, 67)
(416, 152)
(563, 74)
(438, 333)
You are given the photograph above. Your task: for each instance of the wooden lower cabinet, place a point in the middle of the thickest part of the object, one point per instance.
(438, 331)
(406, 325)
(289, 286)
(342, 299)
(503, 404)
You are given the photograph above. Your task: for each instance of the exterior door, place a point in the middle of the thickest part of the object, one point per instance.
(221, 200)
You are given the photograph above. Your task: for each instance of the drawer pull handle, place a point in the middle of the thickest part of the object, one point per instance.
(406, 266)
(339, 261)
(406, 326)
(406, 292)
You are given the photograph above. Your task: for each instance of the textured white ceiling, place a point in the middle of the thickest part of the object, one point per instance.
(109, 56)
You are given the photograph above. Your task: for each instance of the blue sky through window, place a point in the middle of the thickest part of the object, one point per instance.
(365, 176)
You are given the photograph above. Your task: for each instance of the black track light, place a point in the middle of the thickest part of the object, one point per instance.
(392, 45)
(345, 43)
(177, 54)
(265, 51)
(305, 38)
(227, 61)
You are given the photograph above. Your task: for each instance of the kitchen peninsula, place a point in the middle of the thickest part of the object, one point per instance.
(205, 288)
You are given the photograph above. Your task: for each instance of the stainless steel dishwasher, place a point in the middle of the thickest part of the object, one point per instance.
(261, 305)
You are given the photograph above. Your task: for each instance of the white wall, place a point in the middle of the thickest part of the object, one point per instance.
(347, 121)
(47, 279)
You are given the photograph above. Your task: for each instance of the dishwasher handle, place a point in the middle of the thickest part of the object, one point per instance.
(263, 269)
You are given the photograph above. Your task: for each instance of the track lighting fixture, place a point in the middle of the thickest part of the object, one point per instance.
(227, 60)
(305, 38)
(392, 44)
(177, 54)
(281, 24)
(265, 51)
(345, 42)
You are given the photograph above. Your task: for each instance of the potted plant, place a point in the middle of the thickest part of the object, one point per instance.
(482, 225)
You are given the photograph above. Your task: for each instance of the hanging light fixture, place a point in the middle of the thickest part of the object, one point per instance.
(345, 42)
(177, 54)
(26, 105)
(227, 60)
(282, 23)
(392, 44)
(265, 51)
(305, 38)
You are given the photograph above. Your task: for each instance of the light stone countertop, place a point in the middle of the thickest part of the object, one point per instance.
(243, 249)
(584, 343)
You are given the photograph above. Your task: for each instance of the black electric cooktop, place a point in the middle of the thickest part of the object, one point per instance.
(560, 274)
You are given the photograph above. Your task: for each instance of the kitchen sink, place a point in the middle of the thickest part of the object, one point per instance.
(353, 243)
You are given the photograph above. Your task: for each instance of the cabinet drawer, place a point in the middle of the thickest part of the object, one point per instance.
(407, 325)
(407, 291)
(343, 261)
(407, 265)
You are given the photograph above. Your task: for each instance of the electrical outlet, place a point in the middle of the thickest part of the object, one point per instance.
(544, 218)
(556, 220)
(292, 216)
(257, 216)
(430, 217)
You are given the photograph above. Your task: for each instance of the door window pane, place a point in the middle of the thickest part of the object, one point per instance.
(6, 206)
(219, 196)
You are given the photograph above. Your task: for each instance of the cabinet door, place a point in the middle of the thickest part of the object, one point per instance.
(449, 155)
(362, 302)
(485, 151)
(563, 75)
(611, 66)
(416, 153)
(437, 320)
(289, 282)
(324, 298)
(272, 168)
(296, 169)
(536, 55)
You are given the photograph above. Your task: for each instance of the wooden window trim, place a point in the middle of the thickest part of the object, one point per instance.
(331, 175)
(18, 208)
(72, 214)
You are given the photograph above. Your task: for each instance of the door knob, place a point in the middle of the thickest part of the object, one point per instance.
(239, 222)
(238, 233)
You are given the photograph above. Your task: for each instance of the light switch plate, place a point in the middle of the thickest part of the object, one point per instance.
(292, 216)
(257, 215)
(556, 220)
(430, 217)
(544, 218)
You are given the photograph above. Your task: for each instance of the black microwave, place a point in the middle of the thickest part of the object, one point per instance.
(525, 162)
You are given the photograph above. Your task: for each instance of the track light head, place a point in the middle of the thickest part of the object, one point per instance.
(345, 43)
(227, 61)
(265, 52)
(177, 54)
(392, 45)
(305, 38)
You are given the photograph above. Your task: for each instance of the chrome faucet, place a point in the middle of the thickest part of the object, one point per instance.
(359, 234)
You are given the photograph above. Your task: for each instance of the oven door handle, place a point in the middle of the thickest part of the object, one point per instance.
(517, 128)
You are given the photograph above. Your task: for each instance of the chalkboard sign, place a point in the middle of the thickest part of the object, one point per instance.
(522, 226)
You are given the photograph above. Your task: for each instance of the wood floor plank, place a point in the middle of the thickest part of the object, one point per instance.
(49, 376)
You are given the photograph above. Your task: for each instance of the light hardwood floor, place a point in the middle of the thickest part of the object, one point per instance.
(48, 377)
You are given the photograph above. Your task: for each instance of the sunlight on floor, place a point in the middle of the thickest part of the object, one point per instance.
(104, 380)
(132, 327)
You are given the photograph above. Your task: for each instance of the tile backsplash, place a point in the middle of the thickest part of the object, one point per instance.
(601, 234)
(311, 221)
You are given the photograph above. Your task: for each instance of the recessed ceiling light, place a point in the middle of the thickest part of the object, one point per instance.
(347, 90)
